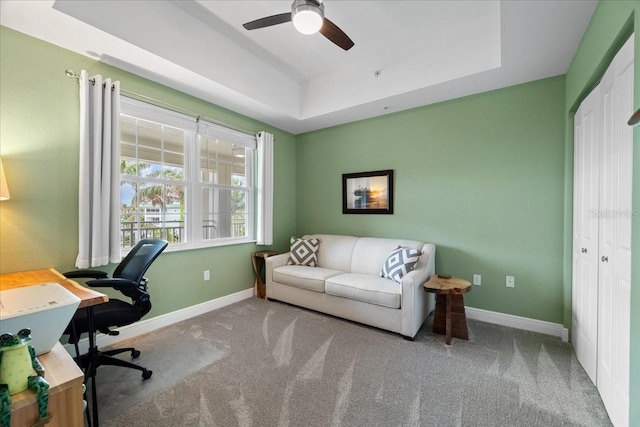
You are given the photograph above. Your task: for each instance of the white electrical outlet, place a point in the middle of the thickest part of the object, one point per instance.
(477, 279)
(511, 282)
(206, 275)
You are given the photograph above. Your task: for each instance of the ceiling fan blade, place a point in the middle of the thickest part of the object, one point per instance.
(336, 35)
(268, 21)
(634, 120)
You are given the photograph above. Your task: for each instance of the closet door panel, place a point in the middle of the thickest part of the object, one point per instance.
(622, 252)
(615, 237)
(606, 212)
(585, 250)
(603, 216)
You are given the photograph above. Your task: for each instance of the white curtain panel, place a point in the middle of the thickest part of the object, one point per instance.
(99, 188)
(264, 230)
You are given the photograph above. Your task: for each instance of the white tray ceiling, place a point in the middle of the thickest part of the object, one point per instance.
(406, 53)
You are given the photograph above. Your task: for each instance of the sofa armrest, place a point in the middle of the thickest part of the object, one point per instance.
(425, 267)
(272, 263)
(416, 303)
(277, 261)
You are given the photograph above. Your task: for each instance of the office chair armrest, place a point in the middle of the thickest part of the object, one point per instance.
(115, 283)
(79, 274)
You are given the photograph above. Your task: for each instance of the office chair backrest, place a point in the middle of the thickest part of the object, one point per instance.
(137, 262)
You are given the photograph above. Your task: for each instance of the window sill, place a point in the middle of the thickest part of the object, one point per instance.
(213, 244)
(177, 247)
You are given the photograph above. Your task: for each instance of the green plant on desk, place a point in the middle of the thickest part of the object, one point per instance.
(17, 363)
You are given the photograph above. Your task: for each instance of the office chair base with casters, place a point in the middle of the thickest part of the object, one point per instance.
(104, 358)
(128, 278)
(114, 313)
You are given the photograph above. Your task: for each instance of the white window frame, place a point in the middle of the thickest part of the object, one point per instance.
(193, 128)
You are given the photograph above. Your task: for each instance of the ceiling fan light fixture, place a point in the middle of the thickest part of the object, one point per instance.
(307, 17)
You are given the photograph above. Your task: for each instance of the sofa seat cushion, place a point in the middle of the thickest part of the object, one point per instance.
(366, 288)
(304, 277)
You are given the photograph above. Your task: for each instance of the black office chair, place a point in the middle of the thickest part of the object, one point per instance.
(129, 279)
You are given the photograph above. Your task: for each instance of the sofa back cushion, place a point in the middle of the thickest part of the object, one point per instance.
(361, 255)
(370, 253)
(335, 251)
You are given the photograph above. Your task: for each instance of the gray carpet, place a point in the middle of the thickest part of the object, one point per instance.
(169, 353)
(262, 363)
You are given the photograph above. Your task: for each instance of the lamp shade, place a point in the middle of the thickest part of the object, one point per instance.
(4, 189)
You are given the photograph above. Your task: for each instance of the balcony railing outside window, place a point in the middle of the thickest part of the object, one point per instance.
(130, 234)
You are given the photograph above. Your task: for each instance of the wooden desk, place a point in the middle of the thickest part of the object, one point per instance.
(258, 259)
(65, 393)
(450, 318)
(88, 298)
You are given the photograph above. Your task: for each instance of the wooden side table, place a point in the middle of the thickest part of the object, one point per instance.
(258, 260)
(450, 318)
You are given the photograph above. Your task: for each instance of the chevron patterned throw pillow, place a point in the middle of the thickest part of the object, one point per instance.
(304, 252)
(399, 263)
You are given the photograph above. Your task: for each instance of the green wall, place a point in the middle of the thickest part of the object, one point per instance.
(39, 148)
(610, 27)
(481, 177)
(488, 178)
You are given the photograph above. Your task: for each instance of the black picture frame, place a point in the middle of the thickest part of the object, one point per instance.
(368, 192)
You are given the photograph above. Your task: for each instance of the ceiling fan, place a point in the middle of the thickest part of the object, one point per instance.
(308, 18)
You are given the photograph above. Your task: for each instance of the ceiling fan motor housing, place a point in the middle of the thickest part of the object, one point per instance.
(307, 16)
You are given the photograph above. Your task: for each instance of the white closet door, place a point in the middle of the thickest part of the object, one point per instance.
(615, 215)
(585, 240)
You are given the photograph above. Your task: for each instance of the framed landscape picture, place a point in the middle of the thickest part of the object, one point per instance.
(367, 192)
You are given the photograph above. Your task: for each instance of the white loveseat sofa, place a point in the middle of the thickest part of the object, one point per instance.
(346, 282)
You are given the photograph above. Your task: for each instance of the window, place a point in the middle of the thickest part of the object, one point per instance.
(187, 181)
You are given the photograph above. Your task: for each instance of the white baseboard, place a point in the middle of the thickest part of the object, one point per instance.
(533, 325)
(149, 325)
